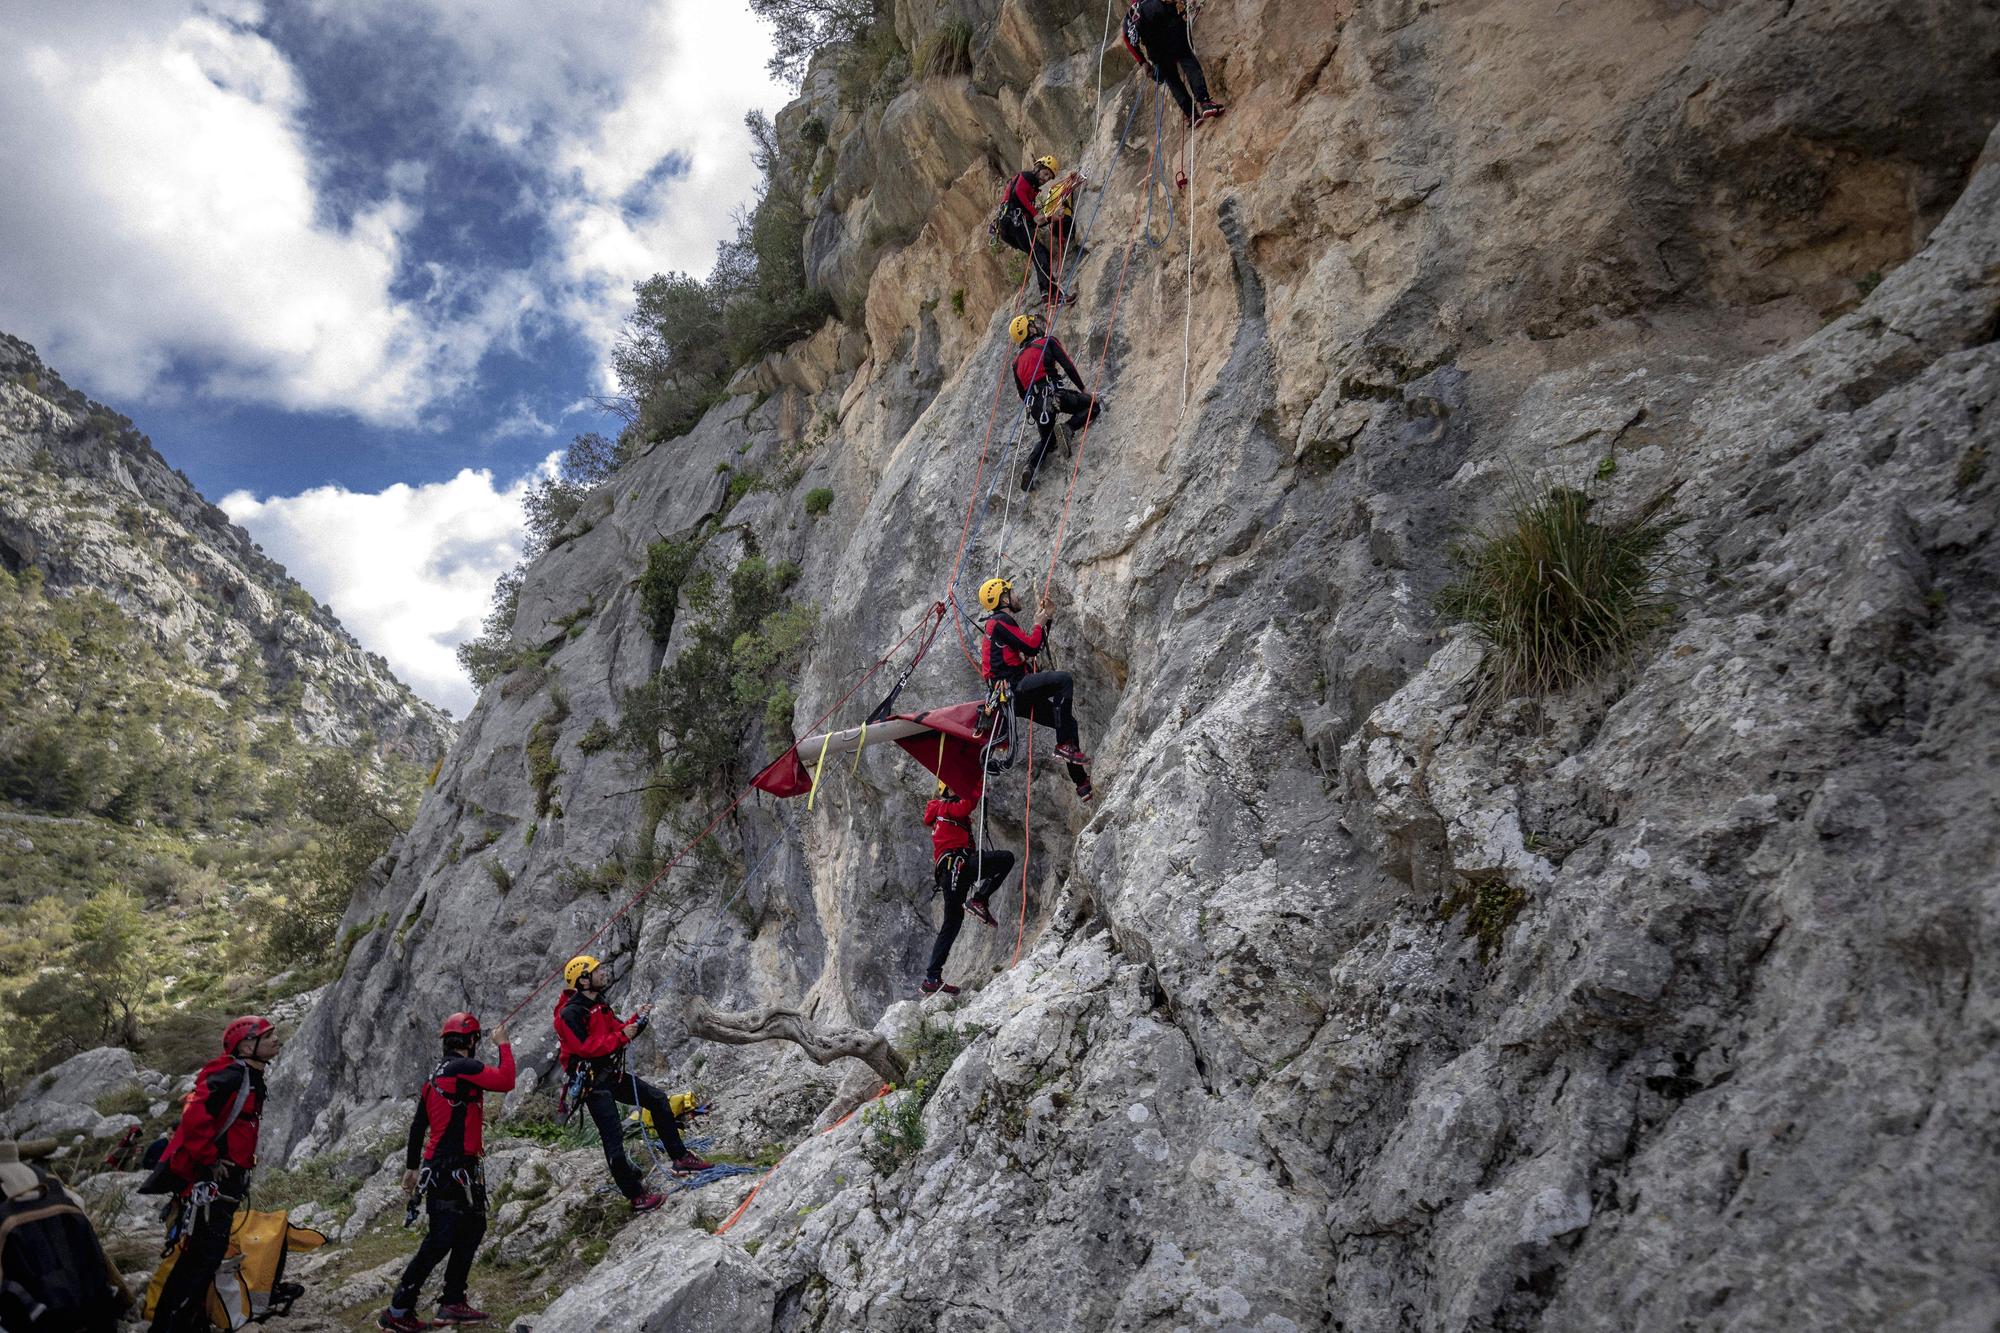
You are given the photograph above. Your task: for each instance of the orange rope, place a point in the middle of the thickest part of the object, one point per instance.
(744, 1207)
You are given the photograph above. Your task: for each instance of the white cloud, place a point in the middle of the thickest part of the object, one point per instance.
(523, 422)
(409, 570)
(160, 211)
(161, 207)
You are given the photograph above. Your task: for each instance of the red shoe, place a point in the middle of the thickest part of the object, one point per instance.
(932, 986)
(978, 907)
(687, 1164)
(646, 1203)
(1209, 111)
(1084, 792)
(400, 1323)
(1069, 754)
(458, 1312)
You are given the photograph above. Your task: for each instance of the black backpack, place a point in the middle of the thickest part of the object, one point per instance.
(53, 1273)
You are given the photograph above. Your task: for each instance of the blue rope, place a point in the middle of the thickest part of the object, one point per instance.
(720, 1171)
(1076, 250)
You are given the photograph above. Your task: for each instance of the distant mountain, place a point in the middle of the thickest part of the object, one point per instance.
(87, 500)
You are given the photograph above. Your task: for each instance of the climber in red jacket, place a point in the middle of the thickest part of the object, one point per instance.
(1040, 370)
(1039, 696)
(592, 1041)
(1018, 224)
(214, 1148)
(441, 1165)
(1156, 33)
(959, 867)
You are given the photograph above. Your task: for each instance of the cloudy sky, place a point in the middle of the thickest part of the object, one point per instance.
(355, 265)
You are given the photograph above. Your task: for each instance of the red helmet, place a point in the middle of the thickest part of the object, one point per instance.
(247, 1028)
(461, 1025)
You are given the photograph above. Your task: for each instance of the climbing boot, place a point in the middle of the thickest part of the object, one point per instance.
(646, 1203)
(1028, 479)
(1209, 111)
(1069, 754)
(1084, 791)
(978, 907)
(687, 1164)
(458, 1312)
(933, 986)
(400, 1323)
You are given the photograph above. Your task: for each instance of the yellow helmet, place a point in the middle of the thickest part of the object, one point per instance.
(1017, 328)
(1049, 162)
(991, 591)
(576, 967)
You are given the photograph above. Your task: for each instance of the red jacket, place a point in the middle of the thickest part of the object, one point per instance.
(587, 1029)
(1041, 359)
(451, 1107)
(951, 824)
(1007, 649)
(1023, 192)
(200, 1142)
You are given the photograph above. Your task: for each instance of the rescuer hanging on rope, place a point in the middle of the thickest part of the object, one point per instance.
(209, 1158)
(1019, 225)
(960, 868)
(1156, 33)
(441, 1166)
(1040, 369)
(592, 1039)
(1040, 696)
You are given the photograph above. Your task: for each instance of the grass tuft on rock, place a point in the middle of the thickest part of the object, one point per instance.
(1557, 596)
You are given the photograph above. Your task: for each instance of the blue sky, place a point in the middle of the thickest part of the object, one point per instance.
(356, 265)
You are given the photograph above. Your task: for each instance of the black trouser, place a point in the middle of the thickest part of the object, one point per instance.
(603, 1099)
(456, 1202)
(1044, 697)
(1061, 228)
(1163, 34)
(183, 1306)
(1045, 404)
(1016, 230)
(954, 875)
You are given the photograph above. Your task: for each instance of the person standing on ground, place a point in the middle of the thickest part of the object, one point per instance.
(593, 1039)
(214, 1148)
(1156, 33)
(442, 1165)
(959, 868)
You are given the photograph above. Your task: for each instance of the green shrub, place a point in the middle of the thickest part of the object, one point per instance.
(503, 878)
(1556, 596)
(747, 638)
(543, 767)
(873, 68)
(1490, 907)
(947, 51)
(818, 500)
(595, 737)
(896, 1129)
(667, 566)
(958, 300)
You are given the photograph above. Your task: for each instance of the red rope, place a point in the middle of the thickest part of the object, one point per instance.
(744, 1207)
(933, 615)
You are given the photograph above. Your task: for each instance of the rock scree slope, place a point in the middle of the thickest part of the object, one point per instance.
(1358, 999)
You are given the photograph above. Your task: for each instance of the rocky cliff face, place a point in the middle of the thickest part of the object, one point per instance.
(1356, 1000)
(86, 499)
